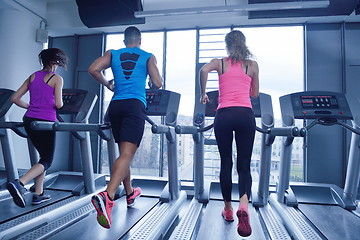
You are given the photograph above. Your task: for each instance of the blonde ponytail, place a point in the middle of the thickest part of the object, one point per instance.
(236, 46)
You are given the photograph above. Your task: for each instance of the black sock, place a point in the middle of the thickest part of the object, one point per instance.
(131, 194)
(109, 197)
(21, 183)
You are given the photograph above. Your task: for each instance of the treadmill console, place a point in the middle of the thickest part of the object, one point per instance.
(319, 102)
(72, 99)
(77, 102)
(163, 103)
(315, 105)
(160, 102)
(5, 101)
(211, 106)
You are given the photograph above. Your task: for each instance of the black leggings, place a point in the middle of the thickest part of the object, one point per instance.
(44, 142)
(240, 120)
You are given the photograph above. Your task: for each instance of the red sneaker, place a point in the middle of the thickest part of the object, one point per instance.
(243, 227)
(228, 215)
(130, 199)
(103, 206)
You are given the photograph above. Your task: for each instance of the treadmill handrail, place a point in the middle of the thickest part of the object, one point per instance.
(15, 126)
(352, 129)
(149, 120)
(344, 125)
(74, 128)
(63, 126)
(285, 131)
(180, 129)
(42, 126)
(84, 127)
(158, 128)
(275, 131)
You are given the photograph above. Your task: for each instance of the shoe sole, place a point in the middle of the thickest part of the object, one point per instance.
(42, 201)
(133, 204)
(242, 214)
(16, 195)
(102, 217)
(227, 219)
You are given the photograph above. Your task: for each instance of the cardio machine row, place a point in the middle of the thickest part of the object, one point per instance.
(284, 213)
(266, 129)
(74, 186)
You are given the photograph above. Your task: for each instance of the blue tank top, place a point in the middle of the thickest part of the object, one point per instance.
(129, 67)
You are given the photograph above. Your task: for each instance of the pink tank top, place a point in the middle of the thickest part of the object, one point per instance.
(42, 99)
(234, 87)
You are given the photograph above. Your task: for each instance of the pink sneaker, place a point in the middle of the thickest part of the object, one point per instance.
(228, 215)
(103, 206)
(130, 199)
(243, 227)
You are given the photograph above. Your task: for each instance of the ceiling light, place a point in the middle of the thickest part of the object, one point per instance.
(235, 8)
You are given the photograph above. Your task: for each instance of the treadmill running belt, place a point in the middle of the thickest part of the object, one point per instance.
(213, 226)
(334, 222)
(123, 219)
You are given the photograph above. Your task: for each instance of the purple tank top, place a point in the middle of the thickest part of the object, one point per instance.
(42, 99)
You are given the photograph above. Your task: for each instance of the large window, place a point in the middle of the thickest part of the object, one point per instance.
(180, 77)
(279, 53)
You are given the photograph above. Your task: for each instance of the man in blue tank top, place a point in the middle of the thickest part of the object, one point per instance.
(130, 67)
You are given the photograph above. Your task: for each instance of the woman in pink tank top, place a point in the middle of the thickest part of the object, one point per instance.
(238, 80)
(45, 88)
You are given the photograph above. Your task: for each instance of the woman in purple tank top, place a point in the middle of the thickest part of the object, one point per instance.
(45, 88)
(238, 80)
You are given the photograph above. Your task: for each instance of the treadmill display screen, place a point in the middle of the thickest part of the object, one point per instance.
(70, 98)
(73, 100)
(5, 102)
(153, 98)
(314, 102)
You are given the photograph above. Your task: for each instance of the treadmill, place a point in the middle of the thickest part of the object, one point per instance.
(70, 192)
(202, 219)
(154, 212)
(314, 210)
(10, 172)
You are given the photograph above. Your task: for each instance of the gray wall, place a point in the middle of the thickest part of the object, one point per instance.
(63, 150)
(332, 64)
(19, 53)
(352, 65)
(19, 58)
(82, 51)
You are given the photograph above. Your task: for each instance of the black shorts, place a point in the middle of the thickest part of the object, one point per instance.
(127, 118)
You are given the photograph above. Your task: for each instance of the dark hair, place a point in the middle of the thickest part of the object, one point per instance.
(236, 46)
(48, 57)
(131, 35)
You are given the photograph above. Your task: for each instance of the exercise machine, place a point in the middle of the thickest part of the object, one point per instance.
(153, 213)
(203, 219)
(11, 172)
(318, 210)
(70, 192)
